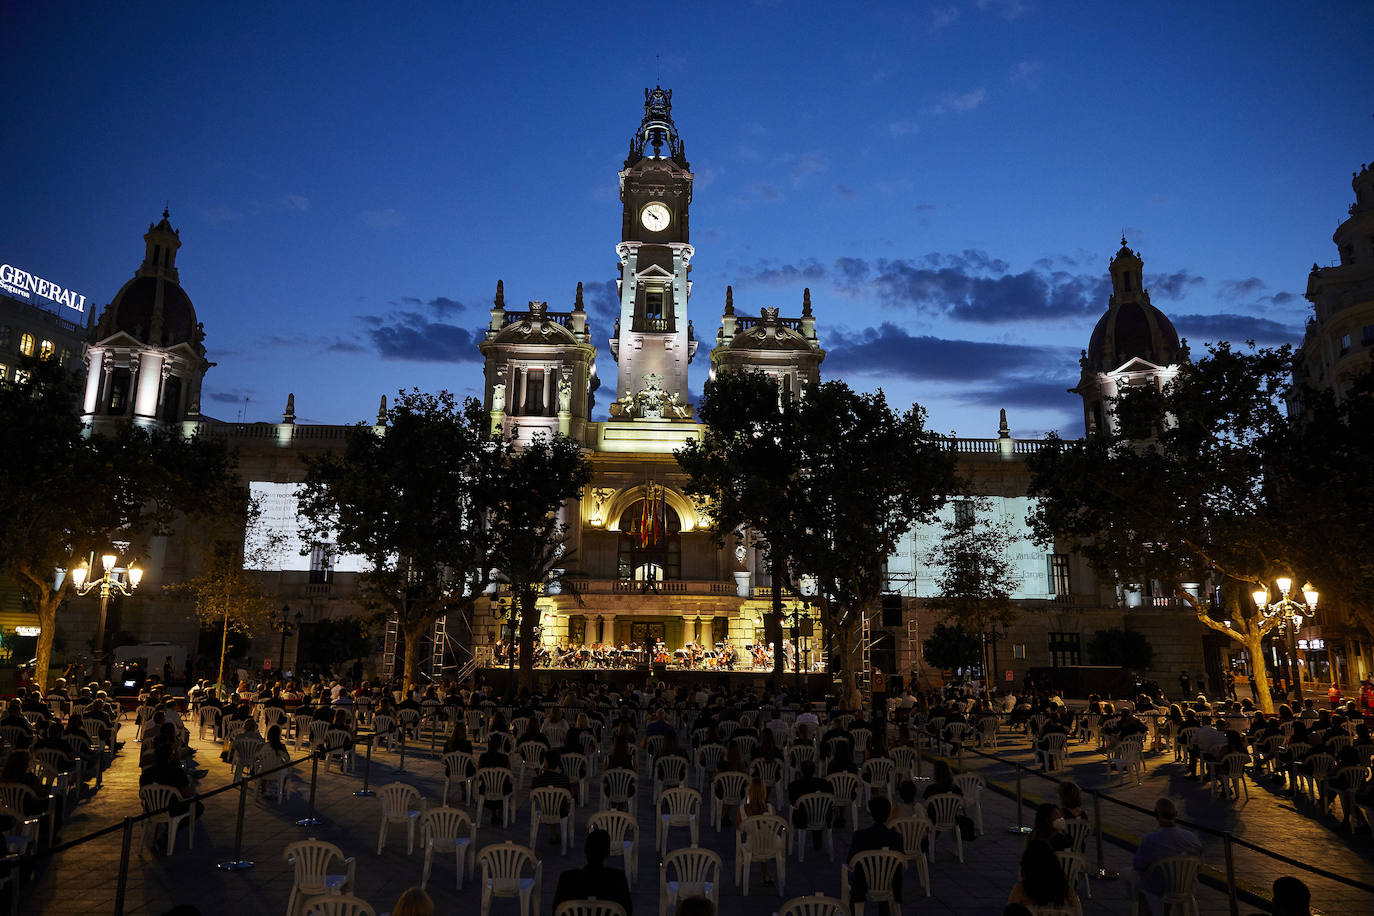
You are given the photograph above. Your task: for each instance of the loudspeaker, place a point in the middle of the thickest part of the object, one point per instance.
(892, 610)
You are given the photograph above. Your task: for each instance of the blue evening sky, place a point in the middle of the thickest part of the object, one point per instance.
(351, 179)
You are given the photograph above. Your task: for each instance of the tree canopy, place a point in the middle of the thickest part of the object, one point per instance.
(830, 480)
(1177, 490)
(67, 496)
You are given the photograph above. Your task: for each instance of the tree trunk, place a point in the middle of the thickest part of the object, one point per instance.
(1254, 644)
(772, 625)
(844, 643)
(413, 633)
(526, 598)
(47, 621)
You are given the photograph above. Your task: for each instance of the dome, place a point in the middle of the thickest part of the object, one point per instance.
(134, 309)
(1129, 331)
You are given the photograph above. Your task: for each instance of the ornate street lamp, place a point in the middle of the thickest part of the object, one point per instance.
(115, 579)
(287, 625)
(1293, 613)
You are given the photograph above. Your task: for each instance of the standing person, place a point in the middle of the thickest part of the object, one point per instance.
(1185, 683)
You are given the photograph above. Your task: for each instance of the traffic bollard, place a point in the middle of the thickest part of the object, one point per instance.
(238, 863)
(1018, 827)
(123, 884)
(310, 820)
(1103, 873)
(401, 769)
(366, 792)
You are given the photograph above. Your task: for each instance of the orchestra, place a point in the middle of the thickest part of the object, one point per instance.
(722, 656)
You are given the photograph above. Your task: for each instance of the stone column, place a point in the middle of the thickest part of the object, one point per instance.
(608, 629)
(148, 384)
(94, 376)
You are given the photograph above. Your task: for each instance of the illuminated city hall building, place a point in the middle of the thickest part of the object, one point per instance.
(644, 566)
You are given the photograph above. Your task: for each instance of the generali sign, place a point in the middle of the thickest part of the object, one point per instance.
(21, 283)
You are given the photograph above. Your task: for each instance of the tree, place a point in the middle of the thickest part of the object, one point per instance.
(951, 648)
(1178, 491)
(976, 577)
(747, 465)
(335, 640)
(224, 594)
(1120, 648)
(869, 475)
(413, 500)
(66, 496)
(528, 540)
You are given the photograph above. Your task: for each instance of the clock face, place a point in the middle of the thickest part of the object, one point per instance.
(655, 217)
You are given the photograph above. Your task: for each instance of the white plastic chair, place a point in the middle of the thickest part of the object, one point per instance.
(880, 868)
(340, 747)
(1052, 755)
(512, 871)
(209, 717)
(944, 810)
(709, 757)
(156, 797)
(311, 860)
(915, 831)
(1180, 883)
(819, 808)
(848, 790)
(243, 754)
(971, 784)
(878, 774)
(794, 757)
(531, 759)
(546, 804)
(668, 773)
(444, 829)
(624, 832)
(696, 873)
(456, 765)
(1075, 869)
(494, 784)
(732, 788)
(401, 804)
(267, 759)
(678, 806)
(816, 905)
(384, 729)
(589, 907)
(577, 768)
(338, 905)
(620, 788)
(761, 838)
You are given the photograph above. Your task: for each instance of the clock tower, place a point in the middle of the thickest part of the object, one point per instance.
(653, 340)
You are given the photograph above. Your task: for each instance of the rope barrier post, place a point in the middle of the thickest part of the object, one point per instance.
(1103, 873)
(1018, 827)
(401, 769)
(122, 886)
(366, 792)
(238, 863)
(1231, 874)
(310, 820)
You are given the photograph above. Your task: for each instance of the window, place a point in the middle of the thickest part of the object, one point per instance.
(653, 303)
(1345, 344)
(1367, 337)
(1064, 649)
(534, 393)
(66, 357)
(45, 349)
(171, 399)
(651, 556)
(321, 564)
(4, 372)
(1059, 575)
(26, 345)
(1126, 282)
(121, 380)
(963, 512)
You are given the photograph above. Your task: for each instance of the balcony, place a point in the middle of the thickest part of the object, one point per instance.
(653, 325)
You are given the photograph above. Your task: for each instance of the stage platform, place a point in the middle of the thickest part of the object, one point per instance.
(815, 684)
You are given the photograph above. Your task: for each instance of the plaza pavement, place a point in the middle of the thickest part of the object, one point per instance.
(83, 880)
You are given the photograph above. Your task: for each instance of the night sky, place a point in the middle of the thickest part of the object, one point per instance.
(949, 179)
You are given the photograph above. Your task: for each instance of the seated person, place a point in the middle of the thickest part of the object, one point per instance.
(877, 835)
(1042, 880)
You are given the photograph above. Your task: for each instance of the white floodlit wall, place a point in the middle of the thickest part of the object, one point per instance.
(911, 573)
(279, 503)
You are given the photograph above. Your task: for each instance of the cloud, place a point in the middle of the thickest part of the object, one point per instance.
(1007, 9)
(382, 220)
(903, 128)
(808, 270)
(601, 299)
(760, 191)
(1233, 327)
(217, 216)
(1173, 285)
(808, 164)
(297, 202)
(1026, 73)
(959, 101)
(413, 337)
(890, 350)
(237, 396)
(1241, 289)
(846, 191)
(941, 18)
(1025, 392)
(974, 287)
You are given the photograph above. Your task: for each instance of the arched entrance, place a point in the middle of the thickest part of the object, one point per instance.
(650, 546)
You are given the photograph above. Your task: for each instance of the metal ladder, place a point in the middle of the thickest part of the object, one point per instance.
(438, 642)
(913, 647)
(865, 647)
(389, 649)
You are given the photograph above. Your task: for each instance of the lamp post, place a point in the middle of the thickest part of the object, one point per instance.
(115, 579)
(285, 625)
(1293, 614)
(996, 632)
